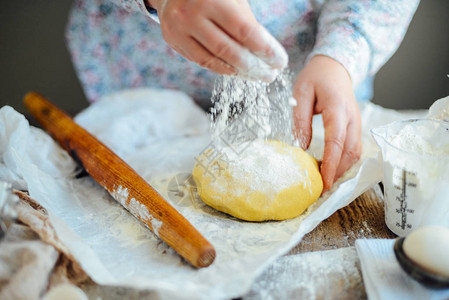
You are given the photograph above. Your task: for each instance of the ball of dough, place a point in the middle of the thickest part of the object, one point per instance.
(263, 181)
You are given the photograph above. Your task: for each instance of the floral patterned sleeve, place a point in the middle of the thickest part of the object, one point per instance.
(362, 35)
(131, 5)
(115, 44)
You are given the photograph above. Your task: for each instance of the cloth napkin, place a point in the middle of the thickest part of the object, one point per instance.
(383, 276)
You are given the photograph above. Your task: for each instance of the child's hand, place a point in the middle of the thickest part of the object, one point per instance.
(222, 36)
(324, 87)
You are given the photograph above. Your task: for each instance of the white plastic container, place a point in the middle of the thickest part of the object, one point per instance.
(415, 157)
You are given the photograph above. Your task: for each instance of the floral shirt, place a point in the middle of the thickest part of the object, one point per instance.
(117, 44)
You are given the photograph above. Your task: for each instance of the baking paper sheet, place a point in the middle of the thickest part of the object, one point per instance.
(159, 133)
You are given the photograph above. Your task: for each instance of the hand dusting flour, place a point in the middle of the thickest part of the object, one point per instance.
(258, 65)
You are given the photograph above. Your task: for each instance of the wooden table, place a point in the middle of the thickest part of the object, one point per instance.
(363, 218)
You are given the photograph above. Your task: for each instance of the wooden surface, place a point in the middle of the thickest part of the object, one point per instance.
(122, 182)
(363, 218)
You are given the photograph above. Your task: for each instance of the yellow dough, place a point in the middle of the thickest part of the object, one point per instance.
(264, 181)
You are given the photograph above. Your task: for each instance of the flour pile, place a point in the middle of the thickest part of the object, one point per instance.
(427, 138)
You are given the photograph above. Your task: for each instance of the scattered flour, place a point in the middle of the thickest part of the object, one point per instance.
(138, 209)
(121, 194)
(156, 224)
(309, 276)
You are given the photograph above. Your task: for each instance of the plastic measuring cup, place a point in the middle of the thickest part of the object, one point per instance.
(415, 156)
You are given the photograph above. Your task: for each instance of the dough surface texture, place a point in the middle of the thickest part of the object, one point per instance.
(261, 181)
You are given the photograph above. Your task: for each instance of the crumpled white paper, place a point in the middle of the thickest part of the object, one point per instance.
(159, 133)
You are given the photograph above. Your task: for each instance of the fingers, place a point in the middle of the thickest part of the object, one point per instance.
(324, 87)
(303, 113)
(352, 148)
(246, 31)
(226, 30)
(335, 124)
(194, 51)
(222, 46)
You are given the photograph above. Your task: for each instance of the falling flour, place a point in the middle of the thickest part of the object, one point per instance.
(244, 110)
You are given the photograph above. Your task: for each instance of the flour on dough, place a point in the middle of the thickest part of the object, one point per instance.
(266, 181)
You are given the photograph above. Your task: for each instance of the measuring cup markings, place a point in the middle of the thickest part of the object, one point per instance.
(415, 156)
(403, 209)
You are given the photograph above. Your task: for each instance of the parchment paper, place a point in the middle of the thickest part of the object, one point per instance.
(159, 133)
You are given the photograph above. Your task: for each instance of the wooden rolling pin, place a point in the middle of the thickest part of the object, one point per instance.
(122, 182)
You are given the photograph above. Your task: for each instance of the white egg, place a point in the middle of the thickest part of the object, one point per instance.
(67, 292)
(428, 247)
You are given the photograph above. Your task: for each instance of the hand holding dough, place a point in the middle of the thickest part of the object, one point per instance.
(266, 181)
